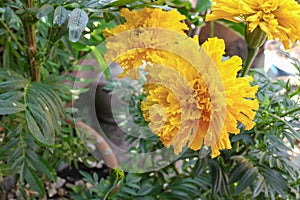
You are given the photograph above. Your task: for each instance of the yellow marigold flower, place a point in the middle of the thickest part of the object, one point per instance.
(149, 17)
(191, 99)
(148, 24)
(279, 19)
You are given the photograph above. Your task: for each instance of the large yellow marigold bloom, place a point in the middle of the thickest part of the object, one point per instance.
(166, 119)
(193, 98)
(279, 19)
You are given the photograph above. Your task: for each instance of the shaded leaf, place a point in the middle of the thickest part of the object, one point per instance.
(34, 181)
(246, 180)
(237, 173)
(35, 130)
(9, 107)
(41, 165)
(44, 11)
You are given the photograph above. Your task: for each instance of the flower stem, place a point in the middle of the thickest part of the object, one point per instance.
(252, 52)
(212, 29)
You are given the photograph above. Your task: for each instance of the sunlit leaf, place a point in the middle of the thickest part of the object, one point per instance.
(60, 16)
(77, 23)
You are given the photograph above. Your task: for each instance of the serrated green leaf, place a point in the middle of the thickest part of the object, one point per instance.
(35, 130)
(87, 176)
(34, 181)
(8, 107)
(43, 120)
(41, 165)
(49, 92)
(41, 105)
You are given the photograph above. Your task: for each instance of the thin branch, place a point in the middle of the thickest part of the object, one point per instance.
(12, 36)
(290, 112)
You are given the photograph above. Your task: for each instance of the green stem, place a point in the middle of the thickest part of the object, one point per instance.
(290, 112)
(212, 28)
(252, 52)
(13, 36)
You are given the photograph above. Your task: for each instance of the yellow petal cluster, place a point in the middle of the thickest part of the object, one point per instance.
(279, 19)
(149, 17)
(184, 104)
(192, 99)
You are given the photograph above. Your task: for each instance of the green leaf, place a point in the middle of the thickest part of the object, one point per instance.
(260, 184)
(60, 16)
(11, 95)
(203, 5)
(81, 47)
(128, 190)
(7, 55)
(274, 180)
(246, 180)
(43, 120)
(34, 181)
(44, 11)
(217, 178)
(145, 189)
(13, 84)
(118, 2)
(9, 107)
(35, 130)
(77, 23)
(237, 173)
(101, 61)
(41, 165)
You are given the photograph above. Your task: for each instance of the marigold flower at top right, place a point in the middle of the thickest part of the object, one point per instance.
(279, 19)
